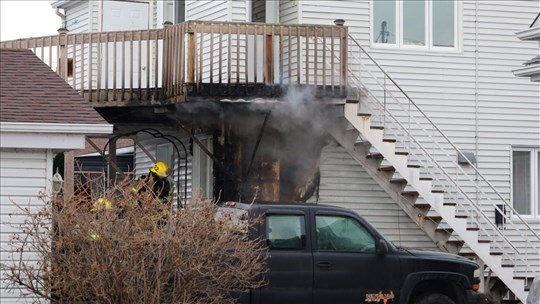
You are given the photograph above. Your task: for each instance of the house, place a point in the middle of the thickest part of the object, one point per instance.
(40, 116)
(408, 113)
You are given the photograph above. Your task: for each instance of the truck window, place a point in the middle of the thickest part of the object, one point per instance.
(285, 232)
(339, 233)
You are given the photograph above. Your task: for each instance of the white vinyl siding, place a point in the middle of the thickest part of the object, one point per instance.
(471, 94)
(345, 183)
(24, 174)
(206, 10)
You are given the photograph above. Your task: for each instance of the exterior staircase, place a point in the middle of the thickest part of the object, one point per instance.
(416, 164)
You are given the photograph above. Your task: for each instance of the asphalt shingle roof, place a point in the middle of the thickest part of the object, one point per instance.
(31, 92)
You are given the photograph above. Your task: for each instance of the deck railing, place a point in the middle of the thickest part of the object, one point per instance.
(196, 59)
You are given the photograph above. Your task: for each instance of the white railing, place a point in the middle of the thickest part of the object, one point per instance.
(429, 147)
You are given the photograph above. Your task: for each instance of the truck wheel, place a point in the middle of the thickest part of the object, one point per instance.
(433, 298)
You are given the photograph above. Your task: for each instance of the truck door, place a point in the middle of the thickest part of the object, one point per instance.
(290, 274)
(347, 268)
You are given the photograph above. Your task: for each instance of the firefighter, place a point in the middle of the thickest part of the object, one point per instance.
(157, 185)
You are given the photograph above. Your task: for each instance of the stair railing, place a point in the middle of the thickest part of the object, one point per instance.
(412, 133)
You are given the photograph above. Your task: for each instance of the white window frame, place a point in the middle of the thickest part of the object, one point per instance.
(428, 34)
(535, 192)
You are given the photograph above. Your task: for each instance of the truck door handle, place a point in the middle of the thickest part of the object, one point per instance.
(324, 264)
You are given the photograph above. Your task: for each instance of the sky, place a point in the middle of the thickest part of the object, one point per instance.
(24, 19)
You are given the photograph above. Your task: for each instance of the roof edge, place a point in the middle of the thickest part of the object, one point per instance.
(532, 34)
(25, 127)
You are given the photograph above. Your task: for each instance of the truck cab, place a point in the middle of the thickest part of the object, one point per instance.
(321, 254)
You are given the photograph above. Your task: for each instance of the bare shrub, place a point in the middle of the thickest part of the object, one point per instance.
(136, 251)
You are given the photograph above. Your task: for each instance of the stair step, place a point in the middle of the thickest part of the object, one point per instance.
(376, 128)
(364, 114)
(457, 242)
(387, 169)
(410, 193)
(426, 178)
(402, 153)
(422, 206)
(461, 216)
(375, 156)
(467, 254)
(351, 100)
(434, 218)
(484, 241)
(413, 166)
(449, 204)
(389, 140)
(398, 181)
(473, 229)
(507, 265)
(437, 191)
(447, 230)
(496, 253)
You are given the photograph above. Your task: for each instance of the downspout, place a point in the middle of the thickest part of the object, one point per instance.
(63, 22)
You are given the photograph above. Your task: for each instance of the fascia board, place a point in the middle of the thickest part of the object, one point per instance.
(85, 129)
(528, 71)
(529, 34)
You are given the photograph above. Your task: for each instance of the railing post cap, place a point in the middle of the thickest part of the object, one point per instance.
(63, 31)
(339, 22)
(167, 24)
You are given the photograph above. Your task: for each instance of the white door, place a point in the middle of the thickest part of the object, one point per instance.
(126, 16)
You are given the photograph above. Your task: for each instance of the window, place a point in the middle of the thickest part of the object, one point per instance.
(416, 23)
(526, 181)
(164, 153)
(337, 233)
(202, 167)
(285, 232)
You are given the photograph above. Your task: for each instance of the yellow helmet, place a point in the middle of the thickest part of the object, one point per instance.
(161, 169)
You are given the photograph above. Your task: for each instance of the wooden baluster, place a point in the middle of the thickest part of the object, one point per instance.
(182, 57)
(256, 40)
(115, 60)
(324, 62)
(315, 59)
(246, 51)
(229, 57)
(265, 56)
(74, 64)
(211, 55)
(107, 67)
(131, 65)
(280, 48)
(220, 57)
(90, 68)
(98, 68)
(332, 65)
(148, 66)
(289, 46)
(307, 56)
(123, 66)
(82, 65)
(238, 56)
(298, 55)
(156, 65)
(192, 48)
(200, 62)
(139, 67)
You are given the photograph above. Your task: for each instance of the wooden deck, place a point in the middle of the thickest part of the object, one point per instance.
(194, 61)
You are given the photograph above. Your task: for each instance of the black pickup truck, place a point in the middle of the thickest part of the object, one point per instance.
(321, 254)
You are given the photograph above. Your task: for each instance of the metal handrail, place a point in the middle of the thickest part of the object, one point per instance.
(448, 180)
(446, 138)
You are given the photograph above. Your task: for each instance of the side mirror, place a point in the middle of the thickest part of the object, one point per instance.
(382, 247)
